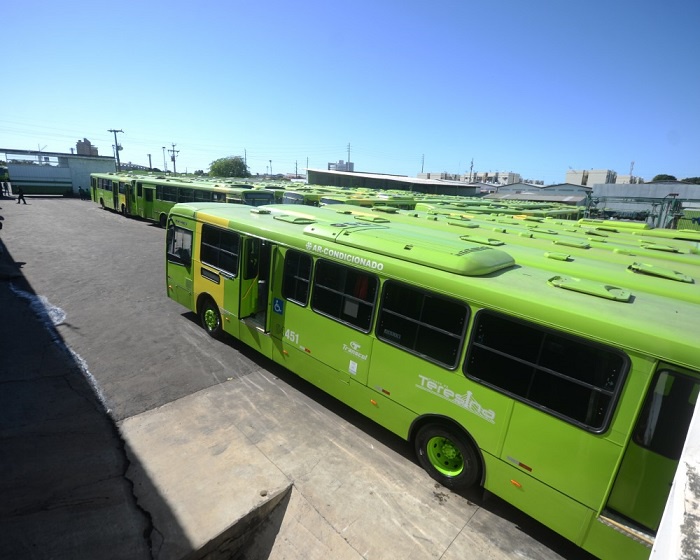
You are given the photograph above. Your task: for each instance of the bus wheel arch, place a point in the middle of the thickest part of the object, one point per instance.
(162, 220)
(209, 316)
(123, 210)
(448, 453)
(102, 203)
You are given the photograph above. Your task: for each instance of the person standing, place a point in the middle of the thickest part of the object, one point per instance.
(20, 195)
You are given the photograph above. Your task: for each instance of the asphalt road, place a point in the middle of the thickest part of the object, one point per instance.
(146, 354)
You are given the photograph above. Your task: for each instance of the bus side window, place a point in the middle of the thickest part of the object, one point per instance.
(345, 294)
(219, 249)
(179, 245)
(568, 377)
(297, 277)
(668, 409)
(425, 324)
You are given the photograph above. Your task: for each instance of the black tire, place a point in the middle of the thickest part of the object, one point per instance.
(210, 318)
(448, 456)
(102, 203)
(162, 220)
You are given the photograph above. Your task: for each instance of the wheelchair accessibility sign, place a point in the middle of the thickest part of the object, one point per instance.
(278, 306)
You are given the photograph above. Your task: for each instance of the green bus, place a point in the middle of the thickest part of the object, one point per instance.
(570, 400)
(666, 246)
(369, 200)
(152, 197)
(578, 260)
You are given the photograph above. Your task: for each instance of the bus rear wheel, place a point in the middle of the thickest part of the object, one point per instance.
(162, 220)
(210, 318)
(447, 456)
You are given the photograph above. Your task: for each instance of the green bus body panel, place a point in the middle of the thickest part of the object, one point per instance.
(565, 475)
(565, 516)
(566, 471)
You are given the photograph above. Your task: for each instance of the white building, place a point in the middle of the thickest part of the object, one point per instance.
(486, 177)
(341, 166)
(591, 177)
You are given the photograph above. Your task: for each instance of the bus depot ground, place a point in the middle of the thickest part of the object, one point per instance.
(127, 433)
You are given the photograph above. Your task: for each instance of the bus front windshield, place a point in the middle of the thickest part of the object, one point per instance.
(258, 198)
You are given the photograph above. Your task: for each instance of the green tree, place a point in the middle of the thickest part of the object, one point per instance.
(694, 180)
(663, 177)
(232, 166)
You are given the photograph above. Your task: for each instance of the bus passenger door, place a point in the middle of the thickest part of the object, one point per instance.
(644, 480)
(115, 195)
(130, 196)
(255, 280)
(148, 196)
(179, 265)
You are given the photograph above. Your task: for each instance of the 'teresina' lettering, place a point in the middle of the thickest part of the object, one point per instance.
(466, 401)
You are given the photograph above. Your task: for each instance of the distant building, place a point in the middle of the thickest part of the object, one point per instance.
(476, 177)
(628, 180)
(389, 182)
(592, 177)
(444, 176)
(341, 166)
(54, 173)
(495, 178)
(85, 148)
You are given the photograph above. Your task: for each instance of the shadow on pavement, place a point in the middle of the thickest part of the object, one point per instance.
(62, 461)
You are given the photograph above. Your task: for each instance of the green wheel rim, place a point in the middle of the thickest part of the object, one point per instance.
(210, 319)
(445, 456)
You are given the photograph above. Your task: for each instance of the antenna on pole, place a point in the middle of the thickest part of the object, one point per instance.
(117, 147)
(40, 150)
(174, 153)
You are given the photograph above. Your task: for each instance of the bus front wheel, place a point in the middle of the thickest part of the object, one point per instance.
(210, 318)
(447, 456)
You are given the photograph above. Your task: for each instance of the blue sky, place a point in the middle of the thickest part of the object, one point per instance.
(531, 87)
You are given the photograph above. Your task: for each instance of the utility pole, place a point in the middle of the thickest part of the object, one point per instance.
(165, 162)
(471, 168)
(422, 162)
(348, 166)
(270, 167)
(174, 153)
(150, 166)
(117, 147)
